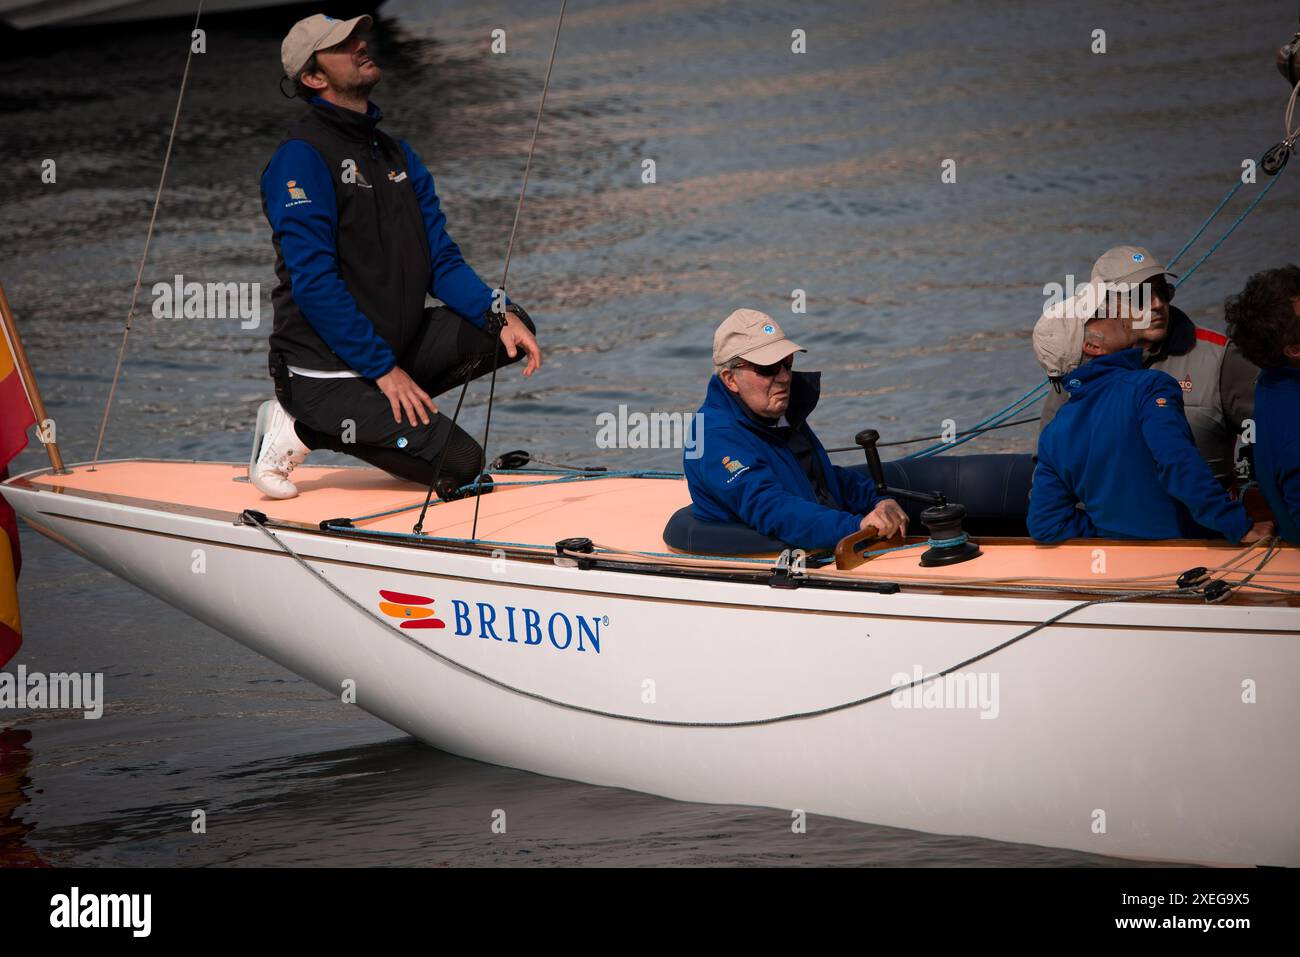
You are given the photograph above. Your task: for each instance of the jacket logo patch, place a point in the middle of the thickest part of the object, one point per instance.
(734, 466)
(395, 176)
(297, 195)
(1162, 402)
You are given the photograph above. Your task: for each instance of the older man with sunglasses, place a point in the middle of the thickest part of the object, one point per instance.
(1217, 382)
(762, 464)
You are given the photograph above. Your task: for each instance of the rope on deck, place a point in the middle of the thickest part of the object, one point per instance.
(561, 478)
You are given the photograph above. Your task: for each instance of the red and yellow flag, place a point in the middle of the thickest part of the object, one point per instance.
(15, 418)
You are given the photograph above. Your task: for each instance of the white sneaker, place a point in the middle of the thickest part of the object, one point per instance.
(277, 450)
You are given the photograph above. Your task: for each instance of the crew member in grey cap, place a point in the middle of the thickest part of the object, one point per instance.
(361, 241)
(1218, 383)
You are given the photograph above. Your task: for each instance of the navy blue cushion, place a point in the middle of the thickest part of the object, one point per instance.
(994, 488)
(686, 533)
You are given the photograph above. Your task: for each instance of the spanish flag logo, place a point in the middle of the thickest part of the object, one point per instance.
(416, 611)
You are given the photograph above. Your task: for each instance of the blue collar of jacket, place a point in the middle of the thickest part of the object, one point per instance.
(1099, 366)
(1280, 373)
(348, 123)
(805, 390)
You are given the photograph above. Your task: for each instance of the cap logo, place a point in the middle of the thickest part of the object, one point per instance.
(1138, 257)
(769, 329)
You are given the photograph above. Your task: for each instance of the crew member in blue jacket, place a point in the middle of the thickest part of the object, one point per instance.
(762, 466)
(1119, 459)
(360, 240)
(1263, 321)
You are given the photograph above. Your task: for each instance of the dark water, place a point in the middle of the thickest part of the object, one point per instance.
(775, 172)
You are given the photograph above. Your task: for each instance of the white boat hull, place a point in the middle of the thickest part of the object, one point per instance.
(1121, 732)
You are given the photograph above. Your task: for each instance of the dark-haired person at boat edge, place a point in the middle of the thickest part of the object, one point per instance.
(1218, 383)
(1119, 460)
(360, 241)
(1264, 320)
(762, 464)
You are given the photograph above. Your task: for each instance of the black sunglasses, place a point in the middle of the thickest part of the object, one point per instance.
(1163, 289)
(769, 371)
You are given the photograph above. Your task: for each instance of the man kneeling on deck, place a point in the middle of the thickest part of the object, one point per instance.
(1264, 320)
(360, 239)
(1119, 460)
(762, 465)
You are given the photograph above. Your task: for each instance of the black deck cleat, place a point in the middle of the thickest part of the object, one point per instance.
(1217, 591)
(583, 546)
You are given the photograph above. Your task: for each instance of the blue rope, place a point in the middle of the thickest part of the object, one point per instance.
(1205, 225)
(1016, 407)
(720, 558)
(896, 548)
(411, 536)
(1240, 219)
(563, 476)
(961, 539)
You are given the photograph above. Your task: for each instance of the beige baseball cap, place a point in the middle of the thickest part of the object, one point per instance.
(316, 33)
(753, 336)
(1058, 334)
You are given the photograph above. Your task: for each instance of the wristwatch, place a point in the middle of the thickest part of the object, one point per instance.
(494, 322)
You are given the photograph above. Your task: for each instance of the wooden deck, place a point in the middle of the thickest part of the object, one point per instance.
(627, 514)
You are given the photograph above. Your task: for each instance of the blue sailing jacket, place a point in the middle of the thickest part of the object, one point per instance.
(1122, 447)
(360, 238)
(1277, 447)
(747, 474)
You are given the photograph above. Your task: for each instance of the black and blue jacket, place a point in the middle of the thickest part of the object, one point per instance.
(1122, 448)
(1277, 447)
(360, 239)
(748, 473)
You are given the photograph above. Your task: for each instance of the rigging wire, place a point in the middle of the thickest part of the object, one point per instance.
(510, 246)
(491, 328)
(144, 256)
